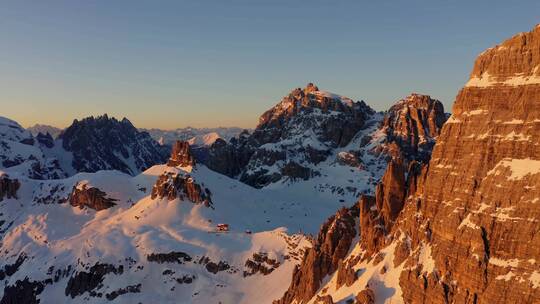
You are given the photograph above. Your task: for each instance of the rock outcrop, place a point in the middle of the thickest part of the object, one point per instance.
(83, 195)
(176, 185)
(331, 246)
(8, 187)
(260, 263)
(87, 281)
(181, 155)
(24, 291)
(366, 296)
(171, 257)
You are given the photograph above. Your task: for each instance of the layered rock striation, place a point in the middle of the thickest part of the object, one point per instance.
(478, 208)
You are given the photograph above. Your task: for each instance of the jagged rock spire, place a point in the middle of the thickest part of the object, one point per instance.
(181, 155)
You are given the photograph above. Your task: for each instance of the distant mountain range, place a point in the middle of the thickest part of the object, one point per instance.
(202, 137)
(195, 136)
(44, 129)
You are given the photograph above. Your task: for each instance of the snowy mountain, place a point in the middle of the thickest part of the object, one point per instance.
(329, 140)
(20, 152)
(202, 137)
(104, 143)
(182, 232)
(44, 129)
(145, 245)
(89, 145)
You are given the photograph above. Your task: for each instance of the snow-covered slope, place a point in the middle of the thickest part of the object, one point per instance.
(21, 153)
(58, 241)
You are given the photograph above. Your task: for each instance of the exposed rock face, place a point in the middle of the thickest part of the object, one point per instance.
(330, 247)
(275, 123)
(45, 140)
(181, 155)
(121, 291)
(479, 203)
(411, 127)
(176, 185)
(171, 257)
(84, 196)
(230, 158)
(391, 192)
(8, 187)
(324, 300)
(296, 134)
(366, 296)
(217, 267)
(378, 214)
(89, 280)
(105, 143)
(24, 291)
(260, 263)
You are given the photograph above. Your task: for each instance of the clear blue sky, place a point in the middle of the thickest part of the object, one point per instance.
(207, 63)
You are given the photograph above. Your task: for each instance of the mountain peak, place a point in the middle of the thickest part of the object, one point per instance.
(306, 100)
(505, 64)
(101, 143)
(413, 123)
(310, 88)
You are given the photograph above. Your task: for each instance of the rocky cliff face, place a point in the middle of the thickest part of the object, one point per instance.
(464, 228)
(412, 125)
(479, 205)
(329, 249)
(105, 143)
